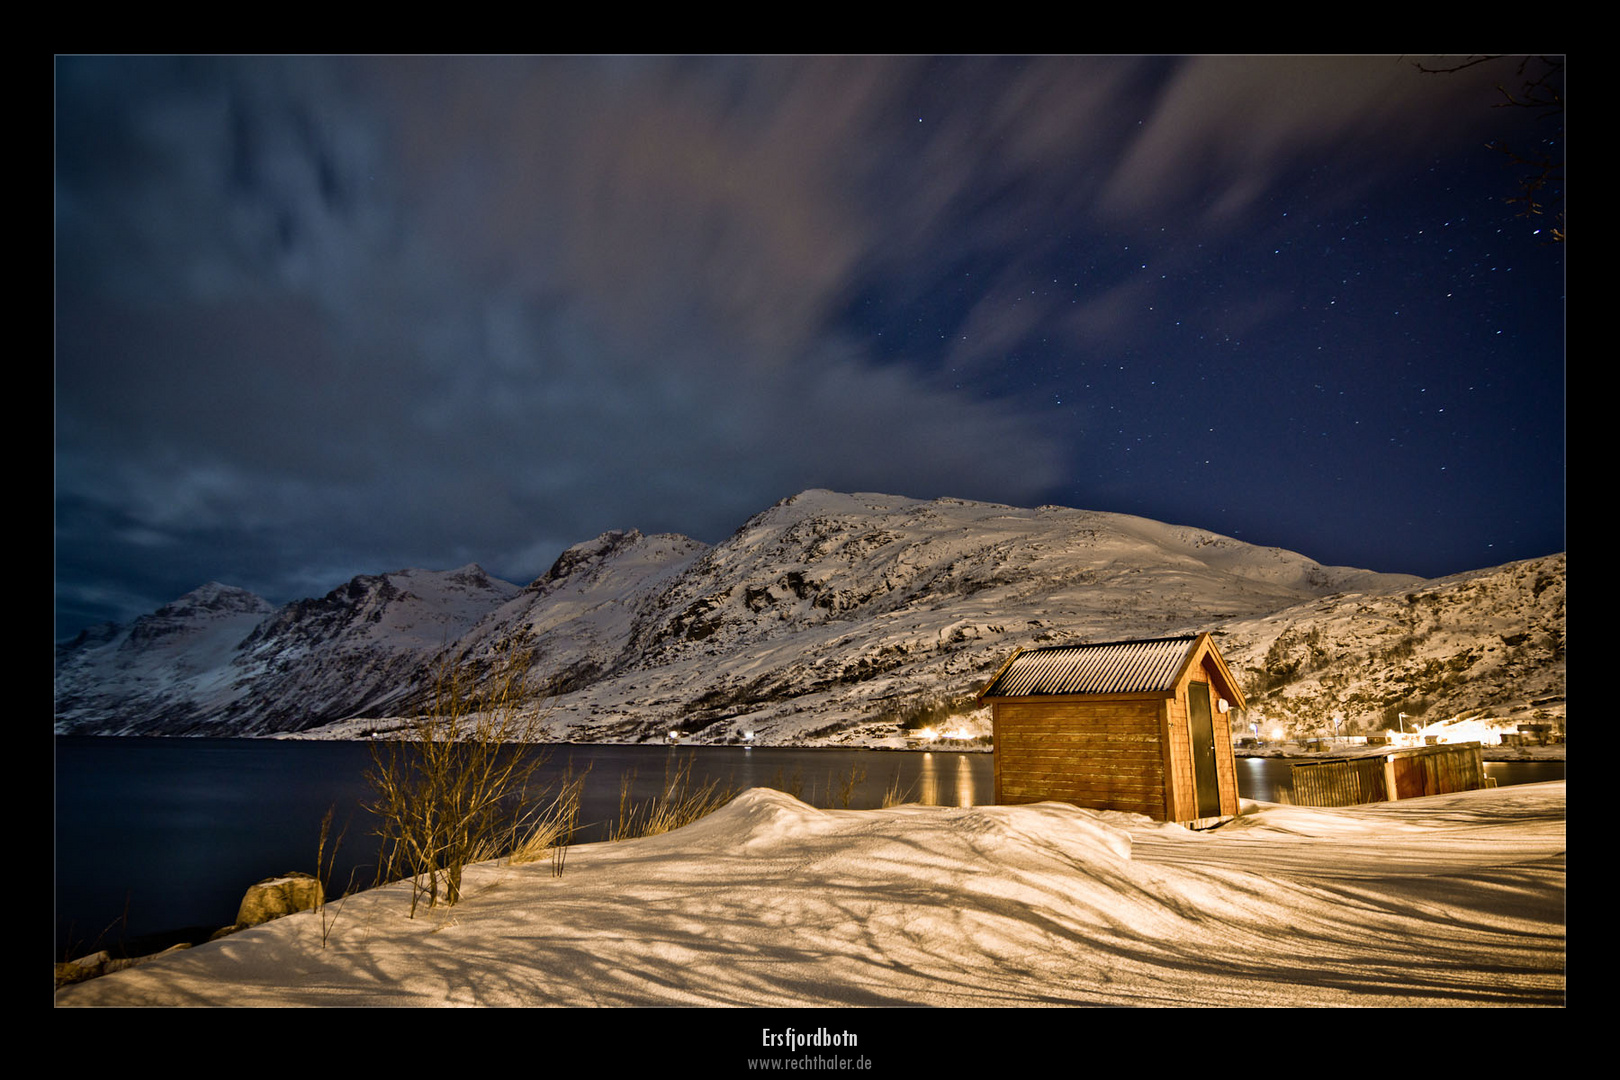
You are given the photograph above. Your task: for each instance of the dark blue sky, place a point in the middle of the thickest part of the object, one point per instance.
(321, 317)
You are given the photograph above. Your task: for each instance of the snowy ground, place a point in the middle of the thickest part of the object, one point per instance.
(1448, 900)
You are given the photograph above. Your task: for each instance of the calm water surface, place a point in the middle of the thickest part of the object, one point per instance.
(158, 834)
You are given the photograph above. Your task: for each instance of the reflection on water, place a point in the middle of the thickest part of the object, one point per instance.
(947, 779)
(1261, 778)
(1508, 773)
(928, 783)
(965, 787)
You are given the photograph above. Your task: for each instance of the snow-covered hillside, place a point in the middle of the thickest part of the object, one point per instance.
(176, 661)
(223, 661)
(838, 618)
(1487, 643)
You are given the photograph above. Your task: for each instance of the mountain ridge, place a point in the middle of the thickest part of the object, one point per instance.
(832, 618)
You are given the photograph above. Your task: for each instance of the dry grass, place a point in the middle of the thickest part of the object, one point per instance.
(893, 796)
(792, 783)
(840, 790)
(550, 829)
(678, 803)
(324, 866)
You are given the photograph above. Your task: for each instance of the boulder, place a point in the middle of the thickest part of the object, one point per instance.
(277, 896)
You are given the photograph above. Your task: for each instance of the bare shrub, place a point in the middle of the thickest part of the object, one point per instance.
(841, 789)
(452, 787)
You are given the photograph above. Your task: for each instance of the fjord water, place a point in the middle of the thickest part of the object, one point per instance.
(154, 835)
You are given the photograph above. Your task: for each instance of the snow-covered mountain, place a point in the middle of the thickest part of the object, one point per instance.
(221, 661)
(835, 618)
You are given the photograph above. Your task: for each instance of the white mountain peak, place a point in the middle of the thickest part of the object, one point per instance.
(825, 618)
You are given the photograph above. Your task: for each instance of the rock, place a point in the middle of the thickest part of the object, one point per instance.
(85, 967)
(277, 896)
(103, 963)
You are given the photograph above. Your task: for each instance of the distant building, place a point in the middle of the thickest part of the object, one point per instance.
(1126, 725)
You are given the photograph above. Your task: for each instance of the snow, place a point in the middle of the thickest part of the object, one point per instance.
(1447, 900)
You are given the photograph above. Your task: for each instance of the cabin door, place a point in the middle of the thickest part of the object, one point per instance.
(1202, 725)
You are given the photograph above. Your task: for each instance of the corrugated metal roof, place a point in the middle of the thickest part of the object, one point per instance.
(1117, 667)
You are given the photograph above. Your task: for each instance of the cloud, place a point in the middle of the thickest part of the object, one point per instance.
(408, 307)
(334, 315)
(1225, 129)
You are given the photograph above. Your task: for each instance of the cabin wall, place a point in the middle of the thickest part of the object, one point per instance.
(1181, 795)
(1101, 753)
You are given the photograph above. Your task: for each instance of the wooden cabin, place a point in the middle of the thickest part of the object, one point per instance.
(1126, 725)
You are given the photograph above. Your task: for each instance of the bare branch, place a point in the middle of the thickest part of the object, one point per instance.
(454, 788)
(1541, 90)
(1470, 62)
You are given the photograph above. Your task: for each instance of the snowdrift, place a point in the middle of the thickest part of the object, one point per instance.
(1449, 900)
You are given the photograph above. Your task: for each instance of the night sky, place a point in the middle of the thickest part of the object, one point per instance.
(323, 317)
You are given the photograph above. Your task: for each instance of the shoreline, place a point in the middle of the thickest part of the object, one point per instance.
(1530, 754)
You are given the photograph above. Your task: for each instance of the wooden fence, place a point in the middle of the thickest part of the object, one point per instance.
(1338, 783)
(1388, 775)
